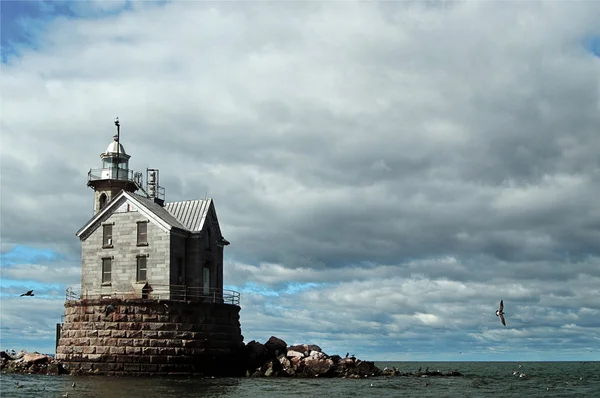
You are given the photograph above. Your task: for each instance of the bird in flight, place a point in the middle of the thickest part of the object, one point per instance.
(29, 293)
(500, 312)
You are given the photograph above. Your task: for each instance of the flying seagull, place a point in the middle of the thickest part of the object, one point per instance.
(500, 312)
(29, 293)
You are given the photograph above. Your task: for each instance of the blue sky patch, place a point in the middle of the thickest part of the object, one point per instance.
(23, 23)
(28, 255)
(592, 44)
(264, 290)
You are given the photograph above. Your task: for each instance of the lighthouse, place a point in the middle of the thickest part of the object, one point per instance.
(151, 297)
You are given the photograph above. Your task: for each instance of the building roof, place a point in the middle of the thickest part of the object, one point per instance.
(187, 216)
(160, 212)
(191, 213)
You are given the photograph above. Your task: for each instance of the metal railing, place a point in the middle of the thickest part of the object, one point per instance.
(112, 174)
(161, 292)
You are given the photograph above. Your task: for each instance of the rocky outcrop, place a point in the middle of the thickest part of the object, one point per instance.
(271, 359)
(30, 363)
(276, 359)
(419, 373)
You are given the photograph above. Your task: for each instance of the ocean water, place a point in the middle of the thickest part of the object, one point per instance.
(481, 379)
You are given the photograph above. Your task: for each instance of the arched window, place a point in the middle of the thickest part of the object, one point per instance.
(102, 201)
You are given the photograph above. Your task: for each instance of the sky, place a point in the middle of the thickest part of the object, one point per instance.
(386, 172)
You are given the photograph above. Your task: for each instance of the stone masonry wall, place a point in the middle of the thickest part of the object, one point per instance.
(124, 253)
(146, 337)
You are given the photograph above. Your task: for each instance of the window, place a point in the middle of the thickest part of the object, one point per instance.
(106, 270)
(107, 235)
(141, 268)
(142, 233)
(102, 201)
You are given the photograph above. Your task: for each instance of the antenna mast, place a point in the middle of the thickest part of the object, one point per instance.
(118, 143)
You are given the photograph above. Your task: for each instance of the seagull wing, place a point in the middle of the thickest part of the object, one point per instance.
(502, 319)
(501, 305)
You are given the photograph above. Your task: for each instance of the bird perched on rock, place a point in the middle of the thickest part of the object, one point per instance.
(112, 307)
(29, 293)
(500, 312)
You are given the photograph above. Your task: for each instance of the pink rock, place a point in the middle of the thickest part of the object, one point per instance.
(293, 354)
(35, 358)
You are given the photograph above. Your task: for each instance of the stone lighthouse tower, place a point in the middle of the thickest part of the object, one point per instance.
(151, 298)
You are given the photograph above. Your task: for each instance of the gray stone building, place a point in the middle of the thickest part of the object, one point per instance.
(151, 299)
(137, 245)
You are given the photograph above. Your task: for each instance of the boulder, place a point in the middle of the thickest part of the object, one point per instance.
(19, 354)
(272, 368)
(335, 358)
(256, 355)
(296, 361)
(318, 366)
(287, 365)
(367, 369)
(35, 358)
(276, 346)
(316, 354)
(301, 348)
(293, 353)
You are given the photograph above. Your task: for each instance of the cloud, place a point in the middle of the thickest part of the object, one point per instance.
(386, 172)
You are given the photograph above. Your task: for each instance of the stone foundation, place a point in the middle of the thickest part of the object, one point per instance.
(148, 337)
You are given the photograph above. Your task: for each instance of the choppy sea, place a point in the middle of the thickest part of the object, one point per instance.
(481, 379)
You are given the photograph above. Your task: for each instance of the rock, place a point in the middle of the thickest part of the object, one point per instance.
(255, 356)
(35, 358)
(296, 361)
(347, 361)
(367, 368)
(276, 346)
(318, 366)
(55, 369)
(287, 365)
(293, 353)
(272, 368)
(31, 363)
(5, 355)
(301, 348)
(276, 359)
(19, 354)
(335, 358)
